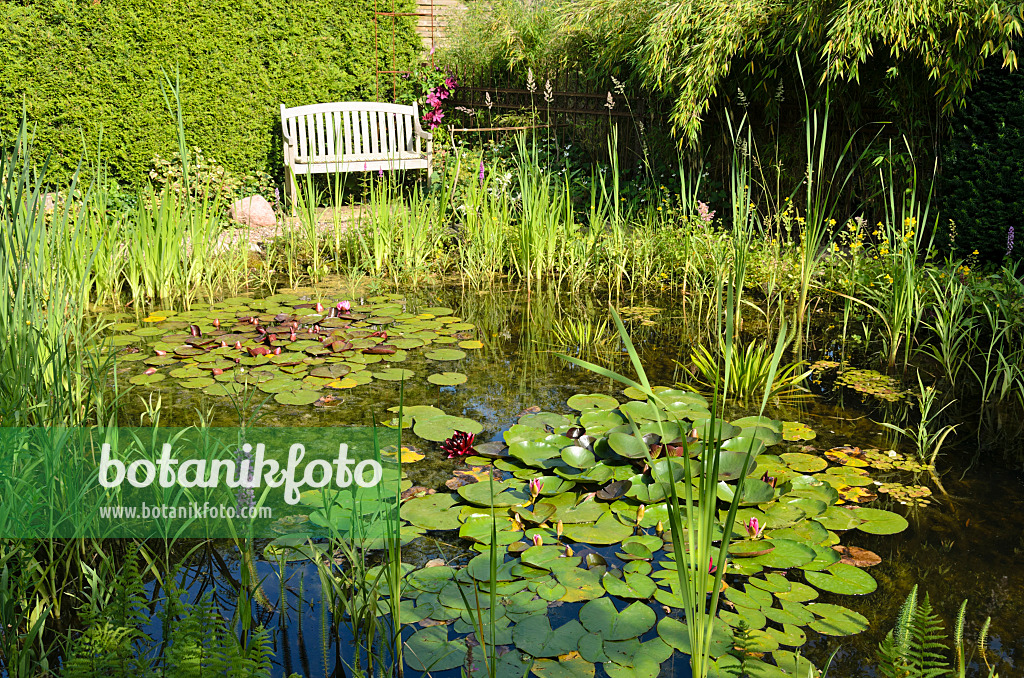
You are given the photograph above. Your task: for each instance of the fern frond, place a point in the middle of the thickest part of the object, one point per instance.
(901, 631)
(926, 637)
(958, 641)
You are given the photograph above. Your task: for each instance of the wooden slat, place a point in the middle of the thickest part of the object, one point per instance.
(329, 124)
(374, 126)
(393, 134)
(347, 150)
(365, 132)
(300, 122)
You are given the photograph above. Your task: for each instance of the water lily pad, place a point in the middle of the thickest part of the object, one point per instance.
(300, 397)
(447, 378)
(607, 530)
(835, 620)
(786, 554)
(789, 636)
(432, 512)
(533, 452)
(627, 445)
(471, 344)
(198, 382)
(394, 374)
(430, 650)
(592, 402)
(534, 636)
(631, 585)
(794, 431)
(878, 521)
(803, 463)
(600, 617)
(676, 635)
(843, 578)
(572, 667)
(147, 379)
(443, 427)
(445, 354)
(509, 493)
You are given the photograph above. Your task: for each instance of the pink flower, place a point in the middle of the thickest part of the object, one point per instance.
(536, 485)
(711, 566)
(537, 540)
(754, 529)
(433, 100)
(450, 82)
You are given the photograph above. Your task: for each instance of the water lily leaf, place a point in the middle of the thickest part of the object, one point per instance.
(631, 586)
(641, 411)
(575, 667)
(806, 531)
(445, 354)
(430, 650)
(877, 521)
(766, 435)
(334, 371)
(676, 635)
(578, 457)
(759, 422)
(803, 463)
(592, 402)
(587, 511)
(533, 452)
(600, 617)
(786, 554)
(795, 665)
(447, 379)
(441, 428)
(394, 374)
(856, 556)
(300, 397)
(599, 422)
(789, 636)
(751, 617)
(147, 379)
(199, 382)
(607, 530)
(580, 584)
(222, 389)
(750, 548)
(742, 443)
(534, 636)
(432, 512)
(794, 431)
(479, 568)
(430, 579)
(508, 493)
(730, 464)
(542, 556)
(477, 528)
(717, 429)
(836, 621)
(798, 593)
(471, 344)
(823, 558)
(843, 578)
(628, 445)
(836, 518)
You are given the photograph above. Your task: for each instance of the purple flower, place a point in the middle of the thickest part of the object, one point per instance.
(1009, 240)
(450, 82)
(432, 99)
(754, 529)
(704, 212)
(481, 171)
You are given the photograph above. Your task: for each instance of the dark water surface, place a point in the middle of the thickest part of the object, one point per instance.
(968, 545)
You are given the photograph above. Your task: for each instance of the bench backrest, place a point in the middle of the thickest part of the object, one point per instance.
(332, 132)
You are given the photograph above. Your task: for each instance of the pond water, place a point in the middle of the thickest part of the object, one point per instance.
(966, 545)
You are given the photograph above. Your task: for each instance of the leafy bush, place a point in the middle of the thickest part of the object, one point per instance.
(86, 71)
(983, 168)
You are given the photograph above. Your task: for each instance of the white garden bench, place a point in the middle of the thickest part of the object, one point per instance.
(352, 136)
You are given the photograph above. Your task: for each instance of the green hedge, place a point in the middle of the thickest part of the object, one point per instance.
(982, 180)
(79, 66)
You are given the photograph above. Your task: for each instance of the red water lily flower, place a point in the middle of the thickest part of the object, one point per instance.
(459, 445)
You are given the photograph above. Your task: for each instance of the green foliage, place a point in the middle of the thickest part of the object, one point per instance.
(82, 67)
(688, 49)
(114, 646)
(916, 646)
(983, 168)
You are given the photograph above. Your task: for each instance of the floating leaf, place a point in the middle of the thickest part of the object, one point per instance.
(634, 586)
(442, 428)
(607, 530)
(836, 621)
(803, 463)
(430, 650)
(574, 667)
(444, 354)
(535, 637)
(877, 521)
(447, 379)
(433, 512)
(843, 578)
(297, 397)
(794, 431)
(600, 617)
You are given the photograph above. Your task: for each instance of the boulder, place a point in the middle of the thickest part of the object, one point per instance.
(253, 211)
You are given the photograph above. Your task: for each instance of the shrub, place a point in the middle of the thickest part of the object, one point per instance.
(983, 167)
(90, 69)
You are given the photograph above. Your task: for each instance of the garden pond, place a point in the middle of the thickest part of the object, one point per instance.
(593, 567)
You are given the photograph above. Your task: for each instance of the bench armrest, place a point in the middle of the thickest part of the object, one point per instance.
(417, 127)
(421, 134)
(284, 129)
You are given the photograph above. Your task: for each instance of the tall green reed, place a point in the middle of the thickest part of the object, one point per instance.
(694, 521)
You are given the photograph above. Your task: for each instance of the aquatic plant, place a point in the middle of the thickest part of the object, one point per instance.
(749, 369)
(458, 445)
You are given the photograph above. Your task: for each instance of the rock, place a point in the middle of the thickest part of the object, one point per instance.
(253, 211)
(49, 202)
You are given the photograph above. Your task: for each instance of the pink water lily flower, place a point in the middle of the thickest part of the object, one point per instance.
(536, 485)
(755, 530)
(537, 540)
